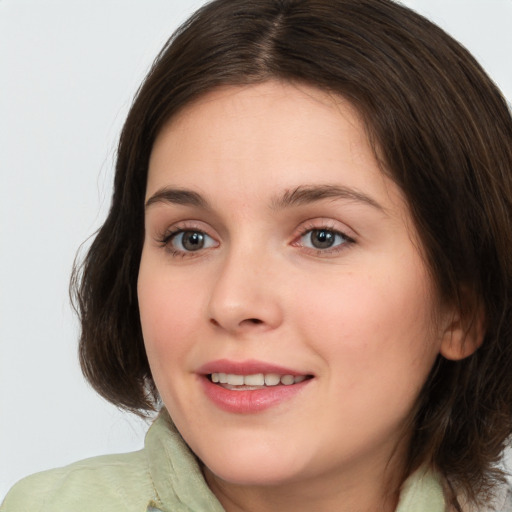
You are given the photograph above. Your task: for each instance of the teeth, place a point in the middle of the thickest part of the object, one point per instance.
(287, 380)
(235, 380)
(272, 379)
(257, 379)
(254, 380)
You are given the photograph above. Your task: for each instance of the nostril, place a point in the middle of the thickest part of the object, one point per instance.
(245, 322)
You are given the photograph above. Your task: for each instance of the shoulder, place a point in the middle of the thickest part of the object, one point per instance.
(106, 483)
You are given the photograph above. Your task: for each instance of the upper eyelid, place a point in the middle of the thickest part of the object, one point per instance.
(325, 228)
(328, 224)
(302, 228)
(347, 238)
(188, 225)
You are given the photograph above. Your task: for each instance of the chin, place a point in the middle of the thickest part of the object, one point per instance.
(253, 465)
(253, 474)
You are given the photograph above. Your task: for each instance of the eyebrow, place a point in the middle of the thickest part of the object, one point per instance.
(301, 195)
(306, 194)
(177, 196)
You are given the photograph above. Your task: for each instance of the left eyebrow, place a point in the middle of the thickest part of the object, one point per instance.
(177, 196)
(306, 194)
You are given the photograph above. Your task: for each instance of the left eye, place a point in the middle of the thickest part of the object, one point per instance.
(189, 241)
(322, 239)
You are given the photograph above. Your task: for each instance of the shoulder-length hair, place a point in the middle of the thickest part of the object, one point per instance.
(443, 133)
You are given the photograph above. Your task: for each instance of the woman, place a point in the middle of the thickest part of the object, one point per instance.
(307, 266)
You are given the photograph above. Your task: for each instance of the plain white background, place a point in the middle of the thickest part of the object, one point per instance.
(68, 72)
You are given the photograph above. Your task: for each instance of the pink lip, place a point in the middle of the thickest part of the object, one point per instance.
(249, 367)
(248, 401)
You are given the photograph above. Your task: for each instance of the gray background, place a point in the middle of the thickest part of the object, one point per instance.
(68, 71)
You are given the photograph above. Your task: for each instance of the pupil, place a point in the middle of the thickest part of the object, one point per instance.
(322, 239)
(193, 240)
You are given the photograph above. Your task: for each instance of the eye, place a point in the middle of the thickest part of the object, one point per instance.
(190, 241)
(323, 239)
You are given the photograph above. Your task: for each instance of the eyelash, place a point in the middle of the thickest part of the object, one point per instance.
(166, 239)
(347, 240)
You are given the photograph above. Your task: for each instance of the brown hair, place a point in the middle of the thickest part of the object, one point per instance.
(444, 134)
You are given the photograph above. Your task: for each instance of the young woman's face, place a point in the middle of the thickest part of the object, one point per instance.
(279, 258)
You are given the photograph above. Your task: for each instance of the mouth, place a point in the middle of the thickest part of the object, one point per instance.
(255, 381)
(251, 386)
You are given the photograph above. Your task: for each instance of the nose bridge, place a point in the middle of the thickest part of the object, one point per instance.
(244, 294)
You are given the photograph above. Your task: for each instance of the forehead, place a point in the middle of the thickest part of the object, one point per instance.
(254, 140)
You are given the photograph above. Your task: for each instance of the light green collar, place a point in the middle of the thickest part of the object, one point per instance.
(421, 492)
(175, 472)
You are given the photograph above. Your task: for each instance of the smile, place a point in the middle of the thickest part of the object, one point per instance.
(250, 387)
(254, 381)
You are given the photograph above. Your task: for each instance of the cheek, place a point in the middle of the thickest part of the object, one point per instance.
(373, 327)
(168, 313)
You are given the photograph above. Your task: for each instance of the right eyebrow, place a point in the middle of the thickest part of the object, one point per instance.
(177, 196)
(306, 194)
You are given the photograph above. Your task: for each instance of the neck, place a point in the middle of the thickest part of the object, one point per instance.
(376, 490)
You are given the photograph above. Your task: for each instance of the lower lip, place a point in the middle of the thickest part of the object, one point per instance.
(250, 401)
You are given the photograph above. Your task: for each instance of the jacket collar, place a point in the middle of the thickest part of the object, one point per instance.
(177, 478)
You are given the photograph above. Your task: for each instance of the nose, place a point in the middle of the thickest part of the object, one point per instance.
(245, 296)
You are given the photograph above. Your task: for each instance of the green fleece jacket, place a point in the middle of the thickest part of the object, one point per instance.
(164, 476)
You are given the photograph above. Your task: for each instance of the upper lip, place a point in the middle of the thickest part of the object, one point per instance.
(249, 367)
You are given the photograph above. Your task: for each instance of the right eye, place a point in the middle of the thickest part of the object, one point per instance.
(184, 241)
(323, 239)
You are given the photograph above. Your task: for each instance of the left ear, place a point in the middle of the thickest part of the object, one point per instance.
(464, 329)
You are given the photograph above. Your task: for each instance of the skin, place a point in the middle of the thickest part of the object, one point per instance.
(358, 316)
